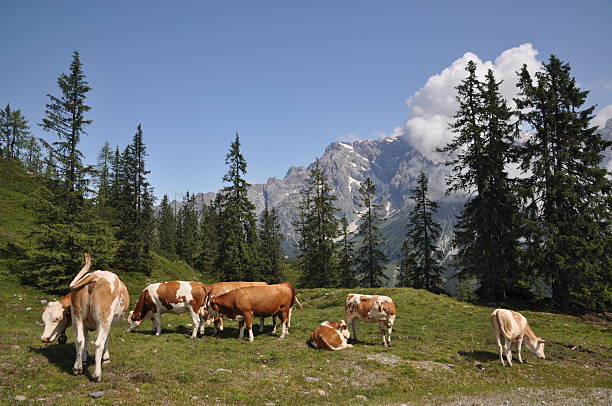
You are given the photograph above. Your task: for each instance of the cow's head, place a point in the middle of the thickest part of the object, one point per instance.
(537, 347)
(343, 328)
(132, 324)
(212, 307)
(56, 317)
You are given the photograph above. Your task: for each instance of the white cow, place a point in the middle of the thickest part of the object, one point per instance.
(510, 327)
(96, 301)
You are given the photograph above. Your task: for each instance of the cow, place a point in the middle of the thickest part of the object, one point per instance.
(331, 336)
(243, 304)
(174, 297)
(219, 288)
(96, 301)
(371, 309)
(510, 326)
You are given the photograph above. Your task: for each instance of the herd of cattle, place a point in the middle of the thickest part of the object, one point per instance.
(98, 299)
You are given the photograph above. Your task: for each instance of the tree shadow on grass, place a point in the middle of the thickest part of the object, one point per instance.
(480, 356)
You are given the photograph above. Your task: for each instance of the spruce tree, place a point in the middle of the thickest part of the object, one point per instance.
(208, 241)
(135, 207)
(486, 232)
(567, 195)
(317, 228)
(420, 265)
(237, 257)
(370, 257)
(270, 246)
(65, 225)
(166, 227)
(188, 246)
(14, 132)
(102, 178)
(346, 265)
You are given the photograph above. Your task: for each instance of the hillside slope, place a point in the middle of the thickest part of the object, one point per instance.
(442, 352)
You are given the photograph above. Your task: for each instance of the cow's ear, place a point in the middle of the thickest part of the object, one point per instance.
(44, 308)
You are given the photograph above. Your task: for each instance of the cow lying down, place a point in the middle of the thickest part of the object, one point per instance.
(174, 297)
(512, 327)
(244, 304)
(330, 336)
(95, 301)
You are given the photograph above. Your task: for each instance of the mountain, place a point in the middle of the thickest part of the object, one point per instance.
(391, 162)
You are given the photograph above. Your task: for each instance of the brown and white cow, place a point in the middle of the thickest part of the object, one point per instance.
(371, 309)
(509, 327)
(255, 301)
(96, 301)
(174, 297)
(219, 288)
(331, 336)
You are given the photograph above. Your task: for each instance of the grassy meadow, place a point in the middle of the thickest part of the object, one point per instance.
(442, 351)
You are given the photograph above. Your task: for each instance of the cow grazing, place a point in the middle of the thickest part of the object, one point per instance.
(256, 301)
(371, 309)
(174, 297)
(331, 336)
(96, 301)
(219, 288)
(509, 327)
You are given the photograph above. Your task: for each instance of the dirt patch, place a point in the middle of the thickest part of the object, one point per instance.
(142, 378)
(431, 366)
(540, 397)
(387, 359)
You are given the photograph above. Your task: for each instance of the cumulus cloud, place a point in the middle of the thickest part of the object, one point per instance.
(431, 108)
(348, 138)
(602, 117)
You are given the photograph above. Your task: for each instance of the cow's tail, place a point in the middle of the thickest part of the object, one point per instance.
(500, 324)
(79, 280)
(298, 302)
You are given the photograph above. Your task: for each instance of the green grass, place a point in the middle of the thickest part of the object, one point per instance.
(442, 349)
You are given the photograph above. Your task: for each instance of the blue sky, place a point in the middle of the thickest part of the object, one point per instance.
(290, 77)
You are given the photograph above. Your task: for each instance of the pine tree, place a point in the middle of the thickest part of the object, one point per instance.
(567, 195)
(188, 247)
(370, 258)
(317, 227)
(420, 265)
(486, 232)
(237, 257)
(346, 265)
(166, 227)
(32, 156)
(270, 246)
(65, 225)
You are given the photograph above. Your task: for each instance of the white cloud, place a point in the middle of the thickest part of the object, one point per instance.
(348, 138)
(431, 108)
(602, 116)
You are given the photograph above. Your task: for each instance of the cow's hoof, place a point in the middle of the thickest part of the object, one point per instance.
(96, 378)
(77, 371)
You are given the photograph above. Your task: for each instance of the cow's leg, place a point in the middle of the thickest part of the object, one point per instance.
(248, 320)
(221, 323)
(353, 323)
(284, 319)
(274, 324)
(157, 323)
(79, 343)
(85, 340)
(500, 346)
(106, 354)
(508, 351)
(383, 332)
(389, 331)
(241, 327)
(195, 319)
(100, 344)
(519, 344)
(289, 321)
(202, 325)
(261, 324)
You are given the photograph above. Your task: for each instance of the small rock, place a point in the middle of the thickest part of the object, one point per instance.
(28, 308)
(194, 397)
(311, 379)
(15, 347)
(155, 351)
(270, 403)
(224, 370)
(43, 301)
(20, 398)
(97, 394)
(137, 389)
(321, 392)
(361, 397)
